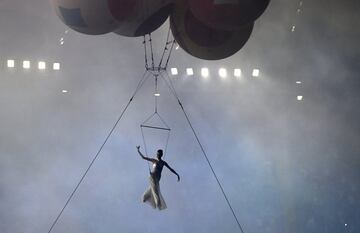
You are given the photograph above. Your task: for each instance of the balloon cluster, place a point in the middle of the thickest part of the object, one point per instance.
(207, 29)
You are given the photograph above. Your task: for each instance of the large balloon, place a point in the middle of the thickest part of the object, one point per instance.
(202, 41)
(91, 17)
(228, 14)
(139, 17)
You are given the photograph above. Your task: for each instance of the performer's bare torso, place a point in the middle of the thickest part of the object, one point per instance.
(157, 169)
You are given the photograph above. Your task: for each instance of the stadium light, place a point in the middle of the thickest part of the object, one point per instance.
(237, 73)
(41, 65)
(190, 71)
(10, 63)
(222, 73)
(256, 73)
(174, 71)
(56, 66)
(26, 64)
(205, 72)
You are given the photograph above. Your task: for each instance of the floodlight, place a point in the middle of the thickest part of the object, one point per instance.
(56, 66)
(174, 71)
(190, 71)
(64, 91)
(41, 65)
(298, 82)
(26, 64)
(256, 73)
(222, 73)
(157, 94)
(300, 97)
(237, 73)
(10, 63)
(205, 72)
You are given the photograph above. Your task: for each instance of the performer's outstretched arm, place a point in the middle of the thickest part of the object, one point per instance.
(172, 170)
(144, 157)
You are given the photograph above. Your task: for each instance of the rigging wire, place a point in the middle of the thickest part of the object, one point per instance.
(169, 83)
(170, 53)
(140, 84)
(152, 52)
(146, 55)
(156, 93)
(165, 47)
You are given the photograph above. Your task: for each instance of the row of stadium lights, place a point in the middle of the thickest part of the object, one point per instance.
(174, 71)
(223, 73)
(41, 65)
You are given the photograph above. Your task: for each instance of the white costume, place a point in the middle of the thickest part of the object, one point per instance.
(153, 195)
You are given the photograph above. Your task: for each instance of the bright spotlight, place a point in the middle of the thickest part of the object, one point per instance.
(10, 63)
(174, 71)
(256, 73)
(222, 73)
(64, 91)
(41, 65)
(298, 82)
(56, 66)
(237, 73)
(190, 71)
(300, 97)
(26, 64)
(205, 72)
(157, 94)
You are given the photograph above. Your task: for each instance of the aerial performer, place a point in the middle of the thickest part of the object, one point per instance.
(153, 195)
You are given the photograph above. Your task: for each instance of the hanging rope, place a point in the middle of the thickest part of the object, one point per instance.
(145, 52)
(173, 91)
(170, 53)
(145, 146)
(152, 52)
(140, 84)
(156, 93)
(165, 47)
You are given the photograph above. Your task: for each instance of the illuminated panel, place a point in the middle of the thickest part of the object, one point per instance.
(222, 73)
(174, 71)
(205, 72)
(189, 71)
(256, 73)
(26, 64)
(10, 63)
(41, 65)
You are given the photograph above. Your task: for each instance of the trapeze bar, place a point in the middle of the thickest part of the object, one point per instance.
(154, 127)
